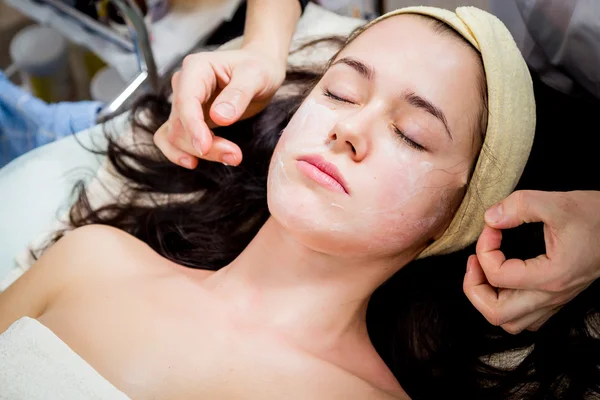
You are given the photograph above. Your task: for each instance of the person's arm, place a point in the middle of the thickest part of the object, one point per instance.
(270, 25)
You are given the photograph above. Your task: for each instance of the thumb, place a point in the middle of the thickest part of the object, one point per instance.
(233, 100)
(521, 207)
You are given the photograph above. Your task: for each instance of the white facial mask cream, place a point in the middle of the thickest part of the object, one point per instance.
(397, 181)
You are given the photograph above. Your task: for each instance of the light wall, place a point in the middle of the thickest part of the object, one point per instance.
(450, 4)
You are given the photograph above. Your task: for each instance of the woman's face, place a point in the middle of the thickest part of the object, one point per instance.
(375, 161)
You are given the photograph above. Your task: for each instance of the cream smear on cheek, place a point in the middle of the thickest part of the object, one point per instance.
(394, 206)
(403, 204)
(311, 120)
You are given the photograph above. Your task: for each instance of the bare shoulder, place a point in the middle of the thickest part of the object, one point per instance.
(97, 239)
(83, 254)
(95, 250)
(100, 256)
(104, 251)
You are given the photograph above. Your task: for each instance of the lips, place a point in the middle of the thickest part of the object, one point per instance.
(324, 172)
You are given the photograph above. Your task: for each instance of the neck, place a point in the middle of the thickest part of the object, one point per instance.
(277, 282)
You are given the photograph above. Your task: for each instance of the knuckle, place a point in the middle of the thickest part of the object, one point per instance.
(156, 139)
(166, 133)
(160, 138)
(172, 138)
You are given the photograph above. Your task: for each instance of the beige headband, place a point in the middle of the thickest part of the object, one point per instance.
(510, 126)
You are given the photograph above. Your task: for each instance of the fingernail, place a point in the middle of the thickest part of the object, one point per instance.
(198, 146)
(469, 268)
(225, 110)
(229, 159)
(186, 162)
(494, 214)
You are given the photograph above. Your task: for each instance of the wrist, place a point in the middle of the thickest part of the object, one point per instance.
(270, 27)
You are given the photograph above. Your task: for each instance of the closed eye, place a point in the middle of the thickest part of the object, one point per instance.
(398, 132)
(332, 96)
(408, 140)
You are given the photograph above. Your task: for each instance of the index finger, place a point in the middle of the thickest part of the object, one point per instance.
(514, 273)
(196, 85)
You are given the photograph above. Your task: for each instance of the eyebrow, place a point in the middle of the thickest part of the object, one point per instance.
(367, 72)
(420, 102)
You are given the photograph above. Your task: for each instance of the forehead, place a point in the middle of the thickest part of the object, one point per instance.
(401, 29)
(413, 38)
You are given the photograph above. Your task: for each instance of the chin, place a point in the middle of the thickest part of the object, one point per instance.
(297, 208)
(315, 227)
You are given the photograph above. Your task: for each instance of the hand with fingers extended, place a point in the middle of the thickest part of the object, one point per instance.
(523, 294)
(216, 89)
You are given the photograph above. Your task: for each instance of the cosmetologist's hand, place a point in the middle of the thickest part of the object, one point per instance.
(524, 294)
(216, 89)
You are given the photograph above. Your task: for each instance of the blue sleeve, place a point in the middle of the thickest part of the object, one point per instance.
(27, 122)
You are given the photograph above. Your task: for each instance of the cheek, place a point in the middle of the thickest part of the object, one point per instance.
(309, 129)
(411, 201)
(306, 133)
(400, 204)
(401, 176)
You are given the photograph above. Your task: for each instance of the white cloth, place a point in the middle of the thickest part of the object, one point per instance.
(35, 189)
(36, 365)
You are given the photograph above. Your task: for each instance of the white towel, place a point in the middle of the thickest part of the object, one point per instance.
(36, 365)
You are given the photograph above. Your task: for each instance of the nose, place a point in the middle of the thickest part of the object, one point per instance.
(350, 135)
